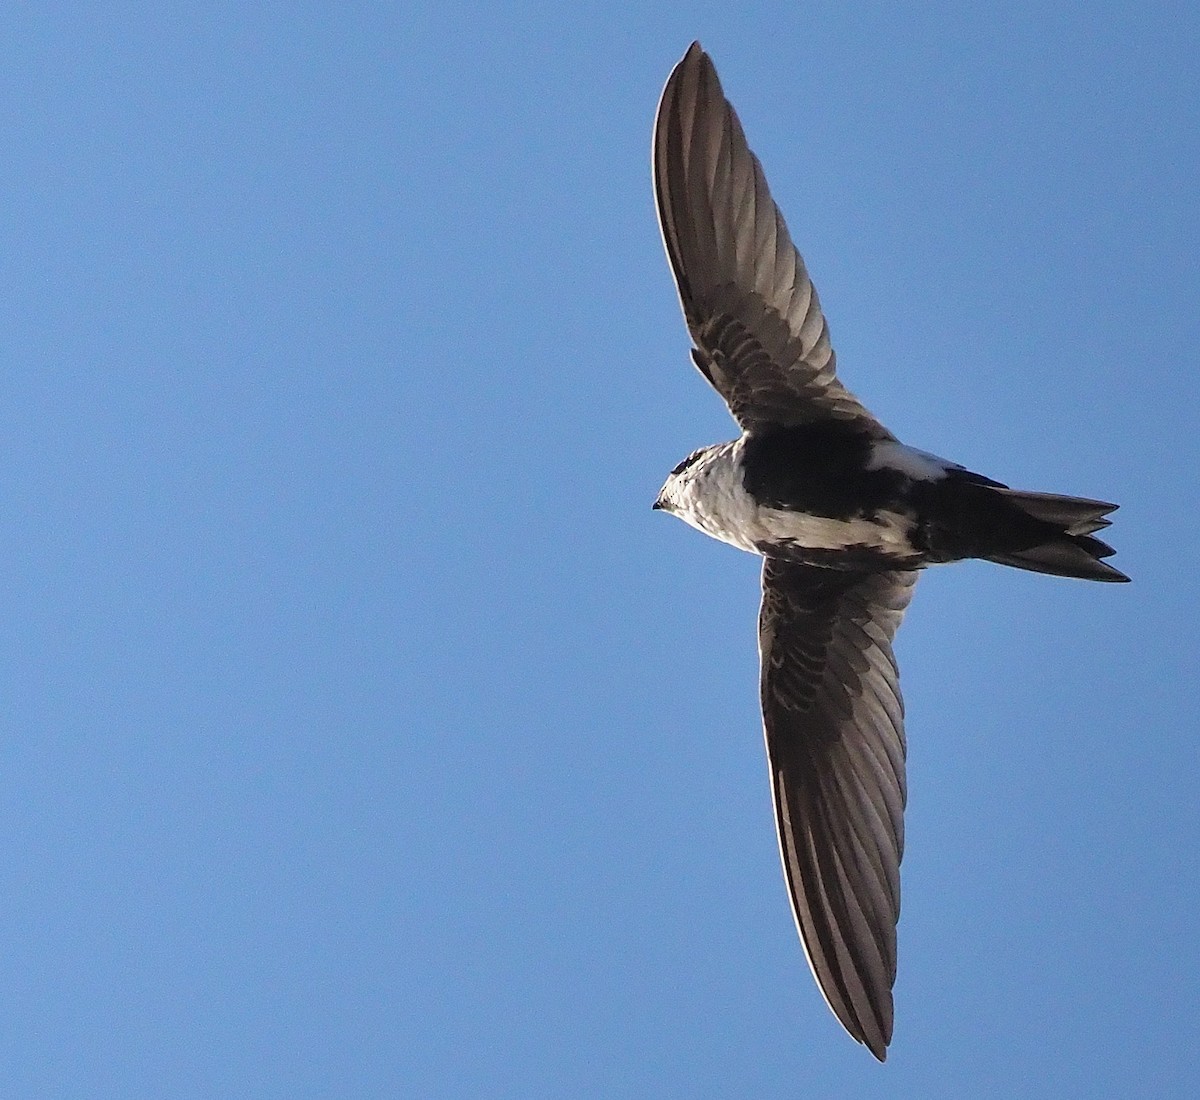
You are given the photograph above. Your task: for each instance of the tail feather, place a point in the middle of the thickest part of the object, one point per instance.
(1070, 550)
(1075, 515)
(1062, 559)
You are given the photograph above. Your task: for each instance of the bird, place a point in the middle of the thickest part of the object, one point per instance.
(845, 517)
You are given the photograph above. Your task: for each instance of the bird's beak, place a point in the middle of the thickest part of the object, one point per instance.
(656, 506)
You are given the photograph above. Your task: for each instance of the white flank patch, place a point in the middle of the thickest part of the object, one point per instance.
(919, 465)
(888, 531)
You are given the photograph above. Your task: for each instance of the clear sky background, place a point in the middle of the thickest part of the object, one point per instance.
(365, 734)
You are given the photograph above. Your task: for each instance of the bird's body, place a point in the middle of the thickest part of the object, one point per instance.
(845, 516)
(737, 492)
(829, 495)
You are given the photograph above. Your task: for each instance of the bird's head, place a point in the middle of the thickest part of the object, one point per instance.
(677, 489)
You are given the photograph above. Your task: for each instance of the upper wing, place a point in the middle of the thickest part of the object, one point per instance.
(760, 336)
(834, 723)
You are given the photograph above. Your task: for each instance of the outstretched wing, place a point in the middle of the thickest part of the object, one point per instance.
(834, 723)
(761, 338)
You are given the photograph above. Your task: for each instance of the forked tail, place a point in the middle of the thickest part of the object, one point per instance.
(1070, 548)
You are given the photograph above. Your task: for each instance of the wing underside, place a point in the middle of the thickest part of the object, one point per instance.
(760, 336)
(834, 724)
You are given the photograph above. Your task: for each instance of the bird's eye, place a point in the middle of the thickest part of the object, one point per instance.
(687, 462)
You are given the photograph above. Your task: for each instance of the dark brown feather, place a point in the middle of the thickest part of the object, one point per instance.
(761, 338)
(834, 724)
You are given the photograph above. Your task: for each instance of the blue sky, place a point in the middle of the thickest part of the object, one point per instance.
(366, 734)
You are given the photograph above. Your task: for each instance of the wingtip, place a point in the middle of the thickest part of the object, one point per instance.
(878, 1049)
(694, 55)
(876, 1036)
(692, 58)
